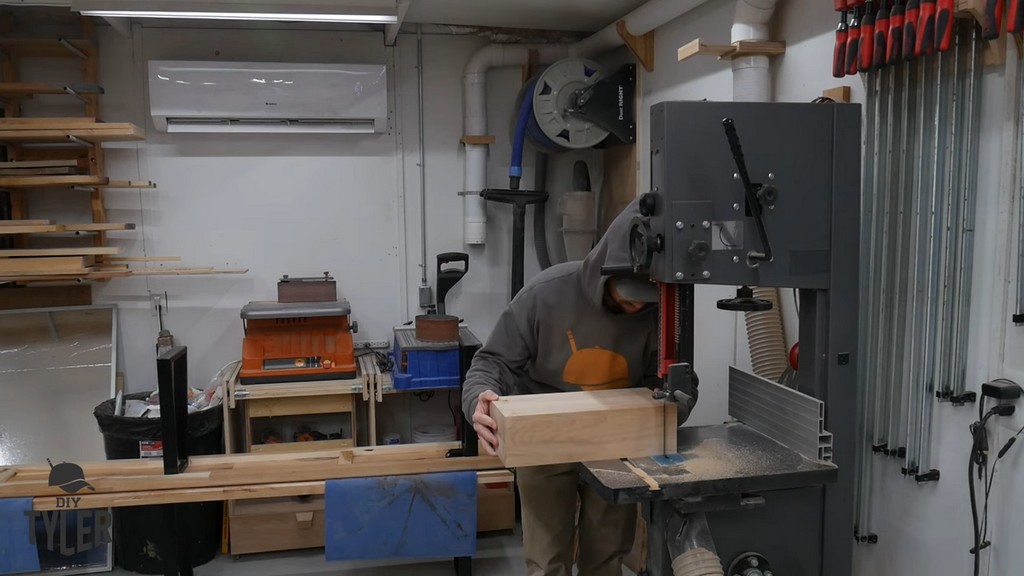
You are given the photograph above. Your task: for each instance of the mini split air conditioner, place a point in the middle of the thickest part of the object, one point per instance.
(253, 97)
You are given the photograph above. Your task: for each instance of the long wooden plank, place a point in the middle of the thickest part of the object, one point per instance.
(113, 132)
(45, 297)
(41, 164)
(242, 492)
(129, 184)
(537, 429)
(23, 89)
(48, 123)
(50, 181)
(41, 265)
(69, 251)
(26, 222)
(145, 259)
(58, 171)
(30, 228)
(106, 227)
(247, 474)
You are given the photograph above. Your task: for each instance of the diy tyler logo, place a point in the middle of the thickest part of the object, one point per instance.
(88, 528)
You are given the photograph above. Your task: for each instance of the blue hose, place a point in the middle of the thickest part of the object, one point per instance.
(515, 168)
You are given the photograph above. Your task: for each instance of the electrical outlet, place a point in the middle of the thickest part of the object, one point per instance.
(375, 344)
(157, 301)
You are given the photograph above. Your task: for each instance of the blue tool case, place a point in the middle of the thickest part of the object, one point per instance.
(419, 364)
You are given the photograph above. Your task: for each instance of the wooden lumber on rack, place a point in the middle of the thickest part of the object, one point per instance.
(537, 429)
(106, 227)
(41, 164)
(53, 265)
(50, 181)
(69, 251)
(95, 132)
(108, 273)
(26, 222)
(30, 228)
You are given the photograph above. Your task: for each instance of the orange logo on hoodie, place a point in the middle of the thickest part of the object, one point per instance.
(595, 368)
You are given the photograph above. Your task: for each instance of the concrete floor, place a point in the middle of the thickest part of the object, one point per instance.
(497, 555)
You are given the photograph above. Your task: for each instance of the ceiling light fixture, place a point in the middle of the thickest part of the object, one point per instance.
(275, 16)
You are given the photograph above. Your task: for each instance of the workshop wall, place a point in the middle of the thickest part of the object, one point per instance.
(295, 204)
(921, 528)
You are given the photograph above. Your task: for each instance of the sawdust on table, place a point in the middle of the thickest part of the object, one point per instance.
(714, 458)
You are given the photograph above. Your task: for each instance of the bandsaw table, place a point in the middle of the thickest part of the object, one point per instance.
(726, 468)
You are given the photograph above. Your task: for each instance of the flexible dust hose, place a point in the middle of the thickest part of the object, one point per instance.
(515, 167)
(691, 547)
(767, 337)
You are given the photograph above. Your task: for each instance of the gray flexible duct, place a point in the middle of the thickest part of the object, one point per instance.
(767, 337)
(691, 546)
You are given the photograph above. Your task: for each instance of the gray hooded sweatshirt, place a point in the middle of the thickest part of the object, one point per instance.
(557, 336)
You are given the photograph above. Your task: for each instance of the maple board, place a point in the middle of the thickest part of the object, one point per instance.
(539, 429)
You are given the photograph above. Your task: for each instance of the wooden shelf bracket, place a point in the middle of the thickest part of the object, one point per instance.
(735, 50)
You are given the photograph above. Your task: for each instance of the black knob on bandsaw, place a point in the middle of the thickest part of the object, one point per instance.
(699, 249)
(648, 203)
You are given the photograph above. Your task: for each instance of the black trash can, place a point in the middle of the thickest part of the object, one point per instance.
(140, 534)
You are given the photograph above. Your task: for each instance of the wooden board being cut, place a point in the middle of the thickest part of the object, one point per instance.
(538, 429)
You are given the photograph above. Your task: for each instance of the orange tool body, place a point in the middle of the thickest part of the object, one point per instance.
(296, 342)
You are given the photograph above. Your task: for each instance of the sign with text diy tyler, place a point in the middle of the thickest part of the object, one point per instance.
(67, 530)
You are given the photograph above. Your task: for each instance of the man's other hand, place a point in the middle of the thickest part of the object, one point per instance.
(484, 425)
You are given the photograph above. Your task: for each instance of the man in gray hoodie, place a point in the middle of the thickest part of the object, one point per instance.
(571, 328)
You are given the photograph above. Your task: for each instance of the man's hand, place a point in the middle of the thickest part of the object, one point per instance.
(484, 425)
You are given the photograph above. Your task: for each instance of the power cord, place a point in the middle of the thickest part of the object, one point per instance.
(980, 459)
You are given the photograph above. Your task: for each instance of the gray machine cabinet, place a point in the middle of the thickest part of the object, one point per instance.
(811, 154)
(789, 146)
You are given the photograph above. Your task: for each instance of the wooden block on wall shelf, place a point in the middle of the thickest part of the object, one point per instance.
(838, 93)
(55, 265)
(538, 429)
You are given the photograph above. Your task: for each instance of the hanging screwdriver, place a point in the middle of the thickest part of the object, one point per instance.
(881, 35)
(853, 43)
(895, 47)
(925, 29)
(839, 53)
(910, 28)
(1014, 17)
(944, 24)
(993, 21)
(867, 35)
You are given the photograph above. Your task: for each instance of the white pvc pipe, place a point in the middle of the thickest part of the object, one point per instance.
(475, 123)
(751, 81)
(638, 22)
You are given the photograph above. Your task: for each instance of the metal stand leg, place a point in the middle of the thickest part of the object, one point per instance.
(658, 561)
(172, 380)
(464, 566)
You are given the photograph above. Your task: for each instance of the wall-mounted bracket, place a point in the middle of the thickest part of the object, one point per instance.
(729, 51)
(642, 47)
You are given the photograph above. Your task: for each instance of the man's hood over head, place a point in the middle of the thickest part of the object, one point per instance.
(612, 251)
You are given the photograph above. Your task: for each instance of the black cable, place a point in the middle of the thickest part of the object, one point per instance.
(979, 451)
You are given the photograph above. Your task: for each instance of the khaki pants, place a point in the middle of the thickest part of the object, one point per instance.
(548, 495)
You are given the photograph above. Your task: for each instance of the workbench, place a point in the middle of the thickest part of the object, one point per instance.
(722, 468)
